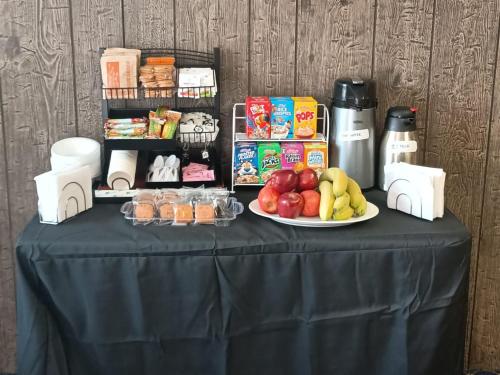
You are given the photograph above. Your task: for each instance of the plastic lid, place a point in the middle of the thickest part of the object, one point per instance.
(354, 93)
(401, 119)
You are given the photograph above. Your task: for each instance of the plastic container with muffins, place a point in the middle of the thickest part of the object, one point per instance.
(184, 206)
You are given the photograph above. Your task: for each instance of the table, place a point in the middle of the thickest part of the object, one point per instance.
(96, 295)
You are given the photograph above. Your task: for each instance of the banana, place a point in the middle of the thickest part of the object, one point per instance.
(360, 210)
(326, 201)
(338, 178)
(341, 202)
(344, 214)
(356, 199)
(352, 187)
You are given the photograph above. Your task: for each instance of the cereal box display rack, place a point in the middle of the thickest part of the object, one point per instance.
(272, 133)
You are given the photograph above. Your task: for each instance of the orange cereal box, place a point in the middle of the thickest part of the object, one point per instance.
(316, 156)
(305, 117)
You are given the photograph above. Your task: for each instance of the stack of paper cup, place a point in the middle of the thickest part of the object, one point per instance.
(121, 171)
(75, 152)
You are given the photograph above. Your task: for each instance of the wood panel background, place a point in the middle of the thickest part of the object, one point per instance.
(441, 56)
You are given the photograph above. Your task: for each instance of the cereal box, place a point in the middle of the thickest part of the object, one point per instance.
(291, 154)
(258, 110)
(245, 163)
(269, 159)
(316, 156)
(281, 117)
(305, 117)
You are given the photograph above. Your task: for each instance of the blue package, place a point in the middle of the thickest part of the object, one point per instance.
(281, 117)
(246, 163)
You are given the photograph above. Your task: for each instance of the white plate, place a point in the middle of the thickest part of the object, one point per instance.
(302, 221)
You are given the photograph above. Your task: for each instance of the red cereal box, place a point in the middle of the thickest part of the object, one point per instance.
(258, 110)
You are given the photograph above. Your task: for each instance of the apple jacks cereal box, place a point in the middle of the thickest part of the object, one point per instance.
(258, 109)
(281, 117)
(291, 154)
(316, 156)
(269, 159)
(246, 163)
(305, 117)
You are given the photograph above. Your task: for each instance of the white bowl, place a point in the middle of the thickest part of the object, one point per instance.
(75, 152)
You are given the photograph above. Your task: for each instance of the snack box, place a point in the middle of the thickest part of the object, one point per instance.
(258, 110)
(291, 154)
(316, 156)
(246, 163)
(281, 117)
(305, 117)
(269, 160)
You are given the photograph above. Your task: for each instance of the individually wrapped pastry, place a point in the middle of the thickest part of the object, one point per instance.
(144, 207)
(204, 211)
(183, 212)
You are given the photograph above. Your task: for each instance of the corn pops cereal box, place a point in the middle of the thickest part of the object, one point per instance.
(316, 156)
(291, 154)
(281, 117)
(258, 110)
(305, 117)
(269, 160)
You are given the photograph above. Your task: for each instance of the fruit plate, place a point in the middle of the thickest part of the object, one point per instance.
(302, 221)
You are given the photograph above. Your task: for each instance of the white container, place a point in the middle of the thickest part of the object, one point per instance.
(121, 171)
(76, 152)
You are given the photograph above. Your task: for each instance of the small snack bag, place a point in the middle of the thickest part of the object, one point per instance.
(204, 211)
(165, 205)
(183, 212)
(291, 154)
(155, 125)
(144, 207)
(316, 156)
(269, 160)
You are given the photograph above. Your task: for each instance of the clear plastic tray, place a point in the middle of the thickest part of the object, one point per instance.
(182, 207)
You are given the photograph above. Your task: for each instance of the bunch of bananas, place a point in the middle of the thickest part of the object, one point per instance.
(341, 196)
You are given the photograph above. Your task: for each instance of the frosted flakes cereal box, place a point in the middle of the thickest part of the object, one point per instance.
(305, 117)
(291, 154)
(281, 117)
(246, 163)
(258, 110)
(269, 160)
(316, 156)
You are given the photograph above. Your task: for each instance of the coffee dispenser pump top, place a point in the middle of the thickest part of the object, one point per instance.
(352, 135)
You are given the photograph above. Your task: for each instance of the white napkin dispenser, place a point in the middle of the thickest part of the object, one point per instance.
(415, 190)
(63, 194)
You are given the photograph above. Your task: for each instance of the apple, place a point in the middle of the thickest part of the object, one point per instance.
(283, 181)
(268, 200)
(290, 205)
(311, 203)
(308, 180)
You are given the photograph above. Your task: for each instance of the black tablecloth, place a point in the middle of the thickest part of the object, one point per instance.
(97, 296)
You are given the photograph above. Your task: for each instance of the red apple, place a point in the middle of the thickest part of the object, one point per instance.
(311, 203)
(268, 200)
(290, 205)
(283, 181)
(308, 180)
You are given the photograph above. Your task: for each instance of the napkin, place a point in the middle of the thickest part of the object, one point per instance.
(63, 194)
(415, 190)
(122, 168)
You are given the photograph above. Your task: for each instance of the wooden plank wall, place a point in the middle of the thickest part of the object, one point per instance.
(441, 56)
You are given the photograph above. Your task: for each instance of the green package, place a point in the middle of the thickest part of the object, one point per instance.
(269, 157)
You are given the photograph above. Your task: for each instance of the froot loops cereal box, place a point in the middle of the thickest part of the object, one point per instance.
(305, 117)
(258, 111)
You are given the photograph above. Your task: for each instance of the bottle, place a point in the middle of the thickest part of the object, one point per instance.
(399, 141)
(352, 135)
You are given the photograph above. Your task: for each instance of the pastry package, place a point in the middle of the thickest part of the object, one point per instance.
(185, 206)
